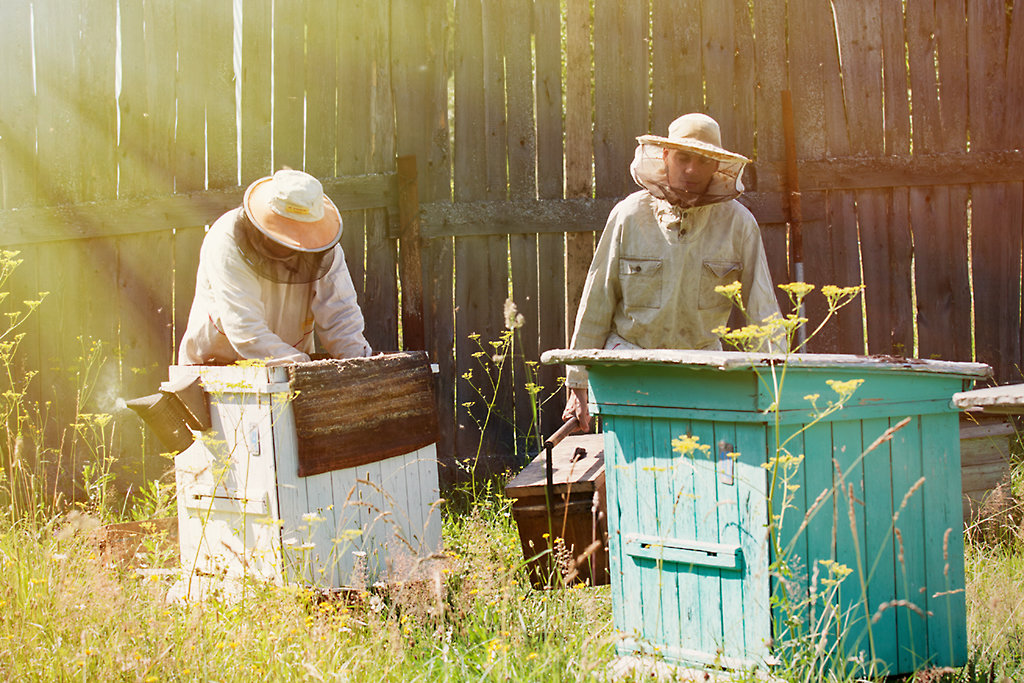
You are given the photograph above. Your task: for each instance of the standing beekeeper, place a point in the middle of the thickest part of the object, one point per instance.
(664, 250)
(272, 275)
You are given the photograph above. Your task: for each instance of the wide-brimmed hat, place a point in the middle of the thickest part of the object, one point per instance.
(699, 134)
(290, 208)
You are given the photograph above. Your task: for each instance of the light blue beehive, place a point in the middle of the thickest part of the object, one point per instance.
(691, 563)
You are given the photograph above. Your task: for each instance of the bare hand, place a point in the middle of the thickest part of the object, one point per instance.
(576, 406)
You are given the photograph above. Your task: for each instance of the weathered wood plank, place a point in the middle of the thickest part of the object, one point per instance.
(718, 54)
(495, 119)
(190, 132)
(996, 220)
(144, 296)
(255, 76)
(885, 240)
(321, 85)
(770, 51)
(938, 217)
(921, 47)
(579, 148)
(620, 92)
(440, 297)
(161, 213)
(410, 264)
(380, 300)
(551, 314)
(94, 100)
(145, 137)
(896, 79)
(219, 94)
(1004, 396)
(527, 295)
(361, 410)
(18, 120)
(675, 62)
(520, 131)
(986, 64)
(742, 136)
(420, 77)
(289, 66)
(806, 80)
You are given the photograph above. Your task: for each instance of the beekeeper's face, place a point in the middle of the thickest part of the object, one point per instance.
(688, 173)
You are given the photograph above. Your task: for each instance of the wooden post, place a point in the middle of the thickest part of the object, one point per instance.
(409, 263)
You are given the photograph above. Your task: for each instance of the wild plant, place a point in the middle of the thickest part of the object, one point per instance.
(501, 372)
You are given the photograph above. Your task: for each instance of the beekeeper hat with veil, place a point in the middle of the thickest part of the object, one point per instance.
(697, 134)
(287, 228)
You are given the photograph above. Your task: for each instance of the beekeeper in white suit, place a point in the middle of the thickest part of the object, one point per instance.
(665, 248)
(272, 275)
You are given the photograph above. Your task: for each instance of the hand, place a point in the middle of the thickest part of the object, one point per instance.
(576, 406)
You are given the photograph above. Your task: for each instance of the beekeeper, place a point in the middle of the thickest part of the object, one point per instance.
(272, 275)
(664, 250)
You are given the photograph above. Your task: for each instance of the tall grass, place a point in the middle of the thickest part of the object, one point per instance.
(66, 615)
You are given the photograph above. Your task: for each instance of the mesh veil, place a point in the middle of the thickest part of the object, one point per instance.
(262, 255)
(648, 170)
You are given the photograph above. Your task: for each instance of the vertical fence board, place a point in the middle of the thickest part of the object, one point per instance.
(719, 58)
(744, 65)
(255, 96)
(579, 147)
(940, 250)
(289, 60)
(551, 313)
(381, 288)
(441, 313)
(18, 164)
(420, 77)
(770, 52)
(190, 137)
(321, 82)
(19, 114)
(996, 240)
(894, 61)
(474, 270)
(806, 81)
(353, 125)
(881, 218)
(676, 62)
(620, 92)
(219, 92)
(522, 178)
(842, 219)
(995, 208)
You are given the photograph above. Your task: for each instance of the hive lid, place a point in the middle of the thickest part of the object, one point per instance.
(1005, 400)
(570, 475)
(737, 360)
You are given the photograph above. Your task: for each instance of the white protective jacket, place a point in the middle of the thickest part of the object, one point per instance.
(652, 281)
(238, 315)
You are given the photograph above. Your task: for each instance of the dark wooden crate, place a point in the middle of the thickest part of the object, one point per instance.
(576, 515)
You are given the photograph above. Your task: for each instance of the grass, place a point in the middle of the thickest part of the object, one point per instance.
(65, 615)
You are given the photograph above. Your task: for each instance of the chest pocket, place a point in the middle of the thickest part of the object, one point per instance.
(641, 282)
(713, 274)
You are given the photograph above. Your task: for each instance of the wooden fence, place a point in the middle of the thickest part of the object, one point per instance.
(126, 126)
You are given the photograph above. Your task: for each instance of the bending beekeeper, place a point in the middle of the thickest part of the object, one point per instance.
(665, 248)
(272, 275)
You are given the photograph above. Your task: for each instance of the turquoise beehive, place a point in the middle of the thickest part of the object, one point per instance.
(697, 579)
